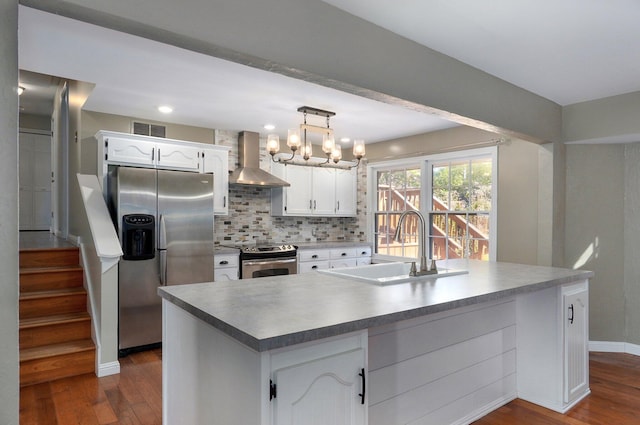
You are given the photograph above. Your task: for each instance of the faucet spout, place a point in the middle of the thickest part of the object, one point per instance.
(421, 237)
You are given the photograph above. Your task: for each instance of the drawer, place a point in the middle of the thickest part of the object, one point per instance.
(225, 275)
(226, 260)
(310, 266)
(345, 262)
(364, 251)
(337, 253)
(313, 254)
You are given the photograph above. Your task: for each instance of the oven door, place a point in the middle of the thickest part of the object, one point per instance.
(269, 267)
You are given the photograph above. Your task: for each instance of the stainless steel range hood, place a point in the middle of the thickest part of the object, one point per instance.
(249, 173)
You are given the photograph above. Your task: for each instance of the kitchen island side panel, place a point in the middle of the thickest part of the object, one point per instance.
(208, 377)
(452, 367)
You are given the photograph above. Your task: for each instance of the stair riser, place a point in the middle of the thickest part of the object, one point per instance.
(51, 368)
(50, 280)
(74, 303)
(54, 333)
(50, 258)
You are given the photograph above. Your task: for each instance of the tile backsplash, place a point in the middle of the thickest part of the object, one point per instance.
(250, 221)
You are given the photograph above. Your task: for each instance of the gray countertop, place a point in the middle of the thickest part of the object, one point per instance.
(279, 311)
(329, 244)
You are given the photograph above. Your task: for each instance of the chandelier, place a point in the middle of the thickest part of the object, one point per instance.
(297, 141)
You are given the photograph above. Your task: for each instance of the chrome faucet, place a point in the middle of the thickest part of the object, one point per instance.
(422, 241)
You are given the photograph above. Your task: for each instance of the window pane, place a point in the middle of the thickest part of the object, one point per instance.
(479, 249)
(481, 185)
(438, 225)
(459, 190)
(479, 226)
(440, 181)
(438, 248)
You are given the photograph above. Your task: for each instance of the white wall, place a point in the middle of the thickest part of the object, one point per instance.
(9, 213)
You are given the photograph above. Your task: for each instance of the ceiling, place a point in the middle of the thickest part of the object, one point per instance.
(567, 51)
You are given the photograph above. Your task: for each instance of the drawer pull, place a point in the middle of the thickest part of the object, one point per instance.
(314, 256)
(364, 253)
(223, 263)
(314, 267)
(344, 254)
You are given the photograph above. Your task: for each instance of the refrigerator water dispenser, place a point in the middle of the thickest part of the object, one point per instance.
(138, 236)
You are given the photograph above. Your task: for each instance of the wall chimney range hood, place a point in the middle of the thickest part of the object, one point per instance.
(249, 173)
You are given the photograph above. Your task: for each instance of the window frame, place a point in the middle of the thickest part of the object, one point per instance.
(425, 162)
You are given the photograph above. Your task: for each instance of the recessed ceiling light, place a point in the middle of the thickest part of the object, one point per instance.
(165, 109)
(345, 140)
(269, 126)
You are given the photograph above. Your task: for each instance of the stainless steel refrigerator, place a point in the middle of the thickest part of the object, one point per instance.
(165, 225)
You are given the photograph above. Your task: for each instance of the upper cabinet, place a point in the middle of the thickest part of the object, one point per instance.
(320, 191)
(153, 152)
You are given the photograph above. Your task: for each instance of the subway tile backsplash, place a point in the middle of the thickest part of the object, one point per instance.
(250, 221)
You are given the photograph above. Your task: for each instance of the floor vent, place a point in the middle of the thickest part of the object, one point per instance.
(146, 129)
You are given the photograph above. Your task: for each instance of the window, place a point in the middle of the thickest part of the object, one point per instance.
(397, 190)
(459, 191)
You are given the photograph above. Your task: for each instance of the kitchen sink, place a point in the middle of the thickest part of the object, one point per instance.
(387, 273)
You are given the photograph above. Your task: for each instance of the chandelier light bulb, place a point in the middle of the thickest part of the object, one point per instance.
(273, 143)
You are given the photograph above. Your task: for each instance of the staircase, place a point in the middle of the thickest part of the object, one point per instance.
(55, 328)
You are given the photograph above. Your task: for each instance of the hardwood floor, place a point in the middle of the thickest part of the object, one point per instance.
(135, 397)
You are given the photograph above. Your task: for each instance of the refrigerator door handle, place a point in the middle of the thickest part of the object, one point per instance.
(162, 234)
(163, 267)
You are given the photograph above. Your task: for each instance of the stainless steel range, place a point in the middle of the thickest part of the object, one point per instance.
(262, 261)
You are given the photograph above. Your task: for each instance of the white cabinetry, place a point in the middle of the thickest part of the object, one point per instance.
(216, 161)
(318, 191)
(321, 383)
(325, 258)
(226, 267)
(210, 378)
(552, 346)
(153, 152)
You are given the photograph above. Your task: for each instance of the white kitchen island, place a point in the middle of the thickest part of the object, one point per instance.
(318, 349)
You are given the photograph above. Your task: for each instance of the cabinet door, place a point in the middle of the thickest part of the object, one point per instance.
(130, 152)
(323, 189)
(576, 362)
(217, 162)
(297, 197)
(323, 391)
(346, 190)
(225, 275)
(176, 157)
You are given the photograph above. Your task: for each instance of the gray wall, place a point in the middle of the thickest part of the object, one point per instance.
(9, 213)
(595, 233)
(631, 245)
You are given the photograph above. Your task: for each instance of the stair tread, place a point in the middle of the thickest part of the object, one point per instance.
(49, 249)
(52, 269)
(54, 319)
(51, 350)
(62, 292)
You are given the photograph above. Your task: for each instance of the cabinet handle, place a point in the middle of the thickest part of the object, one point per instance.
(364, 253)
(338, 205)
(224, 201)
(314, 205)
(223, 263)
(158, 154)
(314, 267)
(344, 254)
(364, 385)
(572, 313)
(153, 154)
(314, 256)
(310, 204)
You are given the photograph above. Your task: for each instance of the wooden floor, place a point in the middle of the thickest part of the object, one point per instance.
(135, 397)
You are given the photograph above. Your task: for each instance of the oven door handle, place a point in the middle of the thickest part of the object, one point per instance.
(269, 262)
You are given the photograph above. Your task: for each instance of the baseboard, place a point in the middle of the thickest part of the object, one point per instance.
(614, 347)
(106, 369)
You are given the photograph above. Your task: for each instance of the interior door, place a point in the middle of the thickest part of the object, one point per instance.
(35, 181)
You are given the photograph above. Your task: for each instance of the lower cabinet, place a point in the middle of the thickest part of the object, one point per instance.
(226, 267)
(326, 258)
(321, 383)
(553, 334)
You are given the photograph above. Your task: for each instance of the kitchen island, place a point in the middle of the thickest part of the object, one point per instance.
(314, 348)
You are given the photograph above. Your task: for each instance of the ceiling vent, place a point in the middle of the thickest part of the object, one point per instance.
(146, 129)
